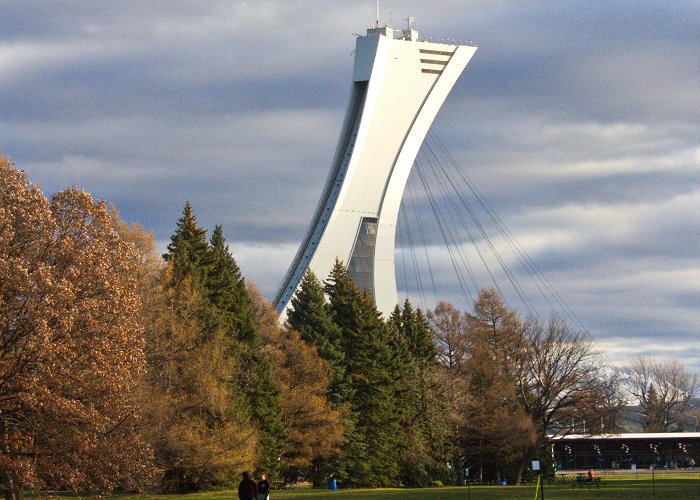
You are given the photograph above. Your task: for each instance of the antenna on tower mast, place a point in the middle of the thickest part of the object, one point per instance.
(376, 22)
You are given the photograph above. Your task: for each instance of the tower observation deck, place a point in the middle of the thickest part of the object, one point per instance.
(398, 86)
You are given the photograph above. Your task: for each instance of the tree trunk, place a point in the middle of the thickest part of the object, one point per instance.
(521, 469)
(14, 493)
(522, 464)
(458, 469)
(11, 491)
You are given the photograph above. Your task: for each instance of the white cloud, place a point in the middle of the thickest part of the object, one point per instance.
(579, 125)
(620, 351)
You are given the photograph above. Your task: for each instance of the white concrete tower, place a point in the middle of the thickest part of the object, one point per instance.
(399, 84)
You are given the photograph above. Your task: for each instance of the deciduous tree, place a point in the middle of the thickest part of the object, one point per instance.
(315, 428)
(560, 379)
(664, 391)
(71, 347)
(201, 431)
(448, 326)
(449, 329)
(489, 426)
(494, 427)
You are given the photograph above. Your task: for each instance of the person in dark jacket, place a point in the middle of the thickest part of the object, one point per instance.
(247, 489)
(263, 488)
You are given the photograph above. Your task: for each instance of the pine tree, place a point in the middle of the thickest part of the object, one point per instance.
(232, 305)
(370, 457)
(423, 439)
(227, 292)
(188, 249)
(310, 316)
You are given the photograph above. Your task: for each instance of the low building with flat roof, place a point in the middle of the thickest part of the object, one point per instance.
(671, 450)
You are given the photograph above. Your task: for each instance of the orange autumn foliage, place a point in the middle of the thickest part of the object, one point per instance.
(315, 428)
(71, 347)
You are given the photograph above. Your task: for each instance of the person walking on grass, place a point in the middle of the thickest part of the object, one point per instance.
(263, 488)
(248, 488)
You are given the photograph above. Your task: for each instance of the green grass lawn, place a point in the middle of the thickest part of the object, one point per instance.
(665, 487)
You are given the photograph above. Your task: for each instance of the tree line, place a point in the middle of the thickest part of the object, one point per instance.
(124, 369)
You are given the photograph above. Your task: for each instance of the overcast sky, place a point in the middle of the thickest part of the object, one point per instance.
(578, 121)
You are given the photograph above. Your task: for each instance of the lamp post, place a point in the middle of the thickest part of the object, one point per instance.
(625, 453)
(599, 456)
(568, 458)
(684, 450)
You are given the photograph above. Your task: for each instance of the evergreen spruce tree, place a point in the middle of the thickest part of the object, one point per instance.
(188, 249)
(373, 365)
(424, 431)
(310, 315)
(227, 294)
(342, 293)
(420, 339)
(395, 318)
(263, 393)
(370, 456)
(214, 272)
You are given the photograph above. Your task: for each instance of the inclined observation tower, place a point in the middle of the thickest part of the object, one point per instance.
(399, 83)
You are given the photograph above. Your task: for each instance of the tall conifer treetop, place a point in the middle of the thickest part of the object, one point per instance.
(310, 315)
(226, 289)
(188, 249)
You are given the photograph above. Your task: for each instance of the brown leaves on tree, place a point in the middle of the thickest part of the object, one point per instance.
(71, 348)
(194, 422)
(315, 429)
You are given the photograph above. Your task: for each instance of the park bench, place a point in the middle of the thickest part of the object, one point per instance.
(587, 482)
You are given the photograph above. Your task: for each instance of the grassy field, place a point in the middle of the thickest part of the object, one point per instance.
(664, 487)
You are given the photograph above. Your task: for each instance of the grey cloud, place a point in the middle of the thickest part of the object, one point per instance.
(577, 121)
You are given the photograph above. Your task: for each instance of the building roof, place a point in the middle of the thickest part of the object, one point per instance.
(630, 436)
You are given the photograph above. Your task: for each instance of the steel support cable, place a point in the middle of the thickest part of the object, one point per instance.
(475, 219)
(472, 214)
(443, 232)
(523, 257)
(459, 245)
(461, 222)
(452, 241)
(403, 257)
(408, 244)
(525, 261)
(419, 221)
(531, 264)
(414, 260)
(446, 196)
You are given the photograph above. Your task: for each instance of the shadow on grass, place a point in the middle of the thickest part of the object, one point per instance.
(664, 487)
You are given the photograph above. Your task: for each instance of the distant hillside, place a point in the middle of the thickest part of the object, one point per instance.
(632, 419)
